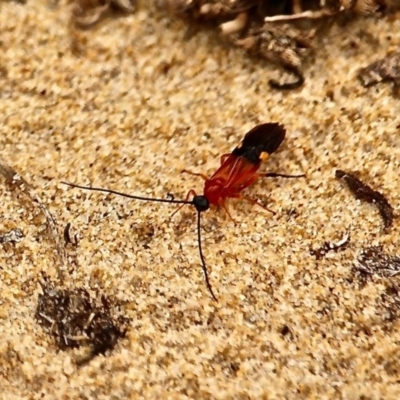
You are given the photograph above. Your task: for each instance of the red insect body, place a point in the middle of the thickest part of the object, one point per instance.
(238, 169)
(233, 176)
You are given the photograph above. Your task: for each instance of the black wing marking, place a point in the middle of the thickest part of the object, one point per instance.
(264, 138)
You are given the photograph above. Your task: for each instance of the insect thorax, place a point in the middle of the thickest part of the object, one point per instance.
(214, 190)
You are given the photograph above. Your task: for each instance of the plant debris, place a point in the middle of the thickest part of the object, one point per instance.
(268, 29)
(366, 193)
(17, 181)
(284, 45)
(75, 319)
(331, 246)
(67, 236)
(386, 69)
(86, 13)
(265, 29)
(241, 22)
(13, 236)
(373, 260)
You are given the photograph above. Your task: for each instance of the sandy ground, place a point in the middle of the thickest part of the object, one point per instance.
(139, 104)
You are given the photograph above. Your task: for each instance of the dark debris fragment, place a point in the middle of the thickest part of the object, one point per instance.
(75, 319)
(386, 69)
(373, 260)
(279, 31)
(285, 45)
(331, 246)
(13, 236)
(241, 22)
(67, 236)
(366, 193)
(86, 13)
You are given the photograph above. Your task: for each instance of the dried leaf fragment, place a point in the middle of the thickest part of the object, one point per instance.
(386, 69)
(373, 260)
(13, 236)
(364, 192)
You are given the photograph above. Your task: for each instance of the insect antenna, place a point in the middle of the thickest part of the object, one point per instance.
(201, 204)
(203, 262)
(130, 196)
(277, 175)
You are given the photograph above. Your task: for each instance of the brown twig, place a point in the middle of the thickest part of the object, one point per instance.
(303, 15)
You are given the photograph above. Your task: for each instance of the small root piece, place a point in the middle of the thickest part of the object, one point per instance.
(302, 15)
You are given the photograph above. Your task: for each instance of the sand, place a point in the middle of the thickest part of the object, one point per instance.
(131, 107)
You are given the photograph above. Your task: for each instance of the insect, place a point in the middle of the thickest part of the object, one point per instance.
(238, 170)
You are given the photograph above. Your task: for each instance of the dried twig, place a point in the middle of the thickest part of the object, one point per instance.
(303, 15)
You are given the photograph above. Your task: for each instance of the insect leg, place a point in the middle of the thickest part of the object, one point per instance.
(190, 193)
(185, 171)
(226, 208)
(252, 201)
